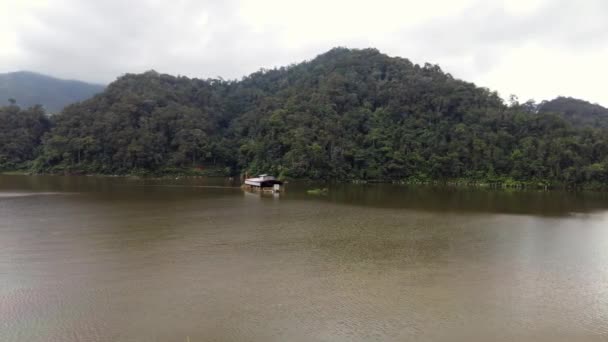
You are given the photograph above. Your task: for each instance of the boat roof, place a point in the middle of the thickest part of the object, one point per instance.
(262, 178)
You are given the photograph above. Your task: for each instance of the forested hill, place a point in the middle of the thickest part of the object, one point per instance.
(578, 112)
(29, 89)
(345, 115)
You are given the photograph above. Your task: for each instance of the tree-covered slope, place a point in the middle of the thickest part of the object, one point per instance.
(578, 112)
(345, 115)
(359, 114)
(30, 89)
(141, 122)
(21, 134)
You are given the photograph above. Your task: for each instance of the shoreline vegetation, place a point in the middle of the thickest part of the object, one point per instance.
(351, 115)
(495, 183)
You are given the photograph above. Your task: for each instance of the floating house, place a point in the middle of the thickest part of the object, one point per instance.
(263, 183)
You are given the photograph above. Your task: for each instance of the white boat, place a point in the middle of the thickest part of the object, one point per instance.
(262, 181)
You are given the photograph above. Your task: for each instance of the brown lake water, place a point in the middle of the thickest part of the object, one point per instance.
(114, 259)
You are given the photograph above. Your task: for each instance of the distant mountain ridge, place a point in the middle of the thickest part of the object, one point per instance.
(31, 88)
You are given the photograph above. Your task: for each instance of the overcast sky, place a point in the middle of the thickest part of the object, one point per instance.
(532, 48)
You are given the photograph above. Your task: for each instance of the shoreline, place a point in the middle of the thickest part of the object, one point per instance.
(502, 184)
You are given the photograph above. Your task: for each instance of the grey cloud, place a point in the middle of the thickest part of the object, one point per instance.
(486, 30)
(99, 40)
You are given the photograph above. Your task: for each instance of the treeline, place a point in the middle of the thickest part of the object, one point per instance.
(345, 115)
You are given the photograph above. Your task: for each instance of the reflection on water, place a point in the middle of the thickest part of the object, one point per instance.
(133, 260)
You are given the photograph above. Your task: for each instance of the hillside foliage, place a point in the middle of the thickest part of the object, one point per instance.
(345, 115)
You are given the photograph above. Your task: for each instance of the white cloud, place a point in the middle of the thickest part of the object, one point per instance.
(313, 21)
(534, 48)
(534, 71)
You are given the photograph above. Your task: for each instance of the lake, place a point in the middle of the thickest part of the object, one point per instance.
(118, 259)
